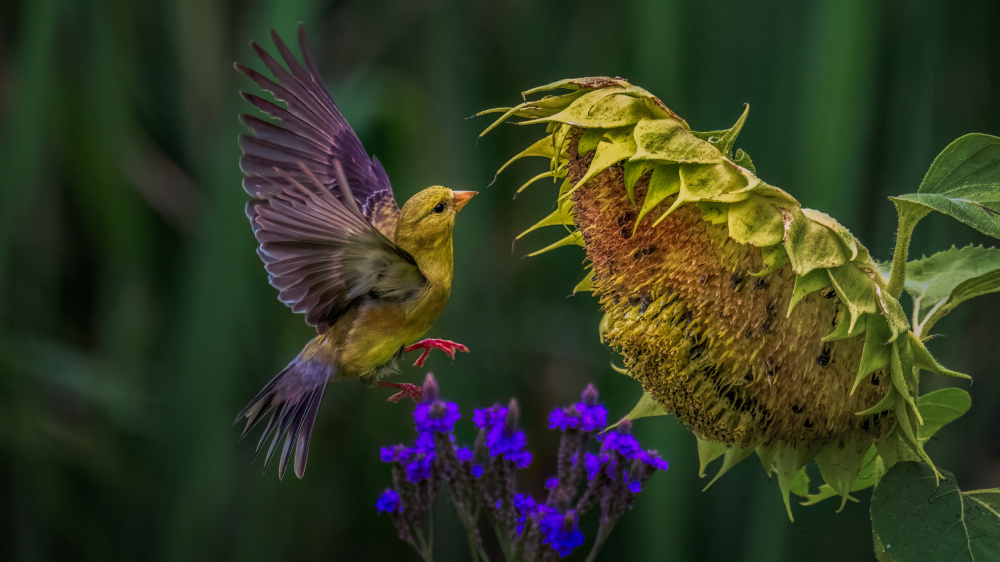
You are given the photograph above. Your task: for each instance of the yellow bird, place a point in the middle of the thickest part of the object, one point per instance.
(370, 277)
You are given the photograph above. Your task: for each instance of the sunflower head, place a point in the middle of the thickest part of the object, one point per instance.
(760, 325)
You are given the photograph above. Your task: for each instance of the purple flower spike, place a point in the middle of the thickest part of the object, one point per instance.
(388, 502)
(594, 418)
(500, 444)
(501, 438)
(592, 463)
(390, 454)
(436, 416)
(624, 443)
(418, 466)
(560, 531)
(521, 459)
(587, 415)
(484, 418)
(653, 460)
(525, 506)
(524, 502)
(565, 418)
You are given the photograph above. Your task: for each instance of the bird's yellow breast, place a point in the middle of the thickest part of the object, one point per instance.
(366, 341)
(369, 337)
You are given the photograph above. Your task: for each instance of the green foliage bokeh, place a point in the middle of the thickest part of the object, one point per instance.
(136, 320)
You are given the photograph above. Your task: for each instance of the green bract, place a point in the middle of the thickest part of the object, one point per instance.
(763, 326)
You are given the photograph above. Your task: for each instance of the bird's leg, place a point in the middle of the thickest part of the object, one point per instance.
(405, 390)
(427, 345)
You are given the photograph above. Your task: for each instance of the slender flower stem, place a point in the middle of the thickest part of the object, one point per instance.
(430, 540)
(476, 551)
(504, 542)
(909, 215)
(424, 551)
(603, 532)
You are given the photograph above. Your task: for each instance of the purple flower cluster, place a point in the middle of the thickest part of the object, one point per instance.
(560, 531)
(416, 460)
(524, 507)
(485, 476)
(503, 439)
(436, 416)
(620, 447)
(623, 443)
(587, 415)
(626, 445)
(430, 417)
(388, 501)
(419, 469)
(592, 464)
(621, 458)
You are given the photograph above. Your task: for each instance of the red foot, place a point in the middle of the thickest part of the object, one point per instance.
(446, 346)
(405, 390)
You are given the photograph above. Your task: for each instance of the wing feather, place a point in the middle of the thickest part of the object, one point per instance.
(311, 131)
(322, 256)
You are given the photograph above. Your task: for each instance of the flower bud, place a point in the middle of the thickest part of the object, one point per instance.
(569, 522)
(513, 412)
(430, 389)
(625, 427)
(590, 395)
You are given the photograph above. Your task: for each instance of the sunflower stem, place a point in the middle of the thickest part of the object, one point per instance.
(909, 216)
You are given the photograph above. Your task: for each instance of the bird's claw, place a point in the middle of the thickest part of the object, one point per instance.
(406, 390)
(449, 347)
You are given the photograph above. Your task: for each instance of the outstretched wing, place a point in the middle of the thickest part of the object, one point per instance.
(322, 255)
(310, 131)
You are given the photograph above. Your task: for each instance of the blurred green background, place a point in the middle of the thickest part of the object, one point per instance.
(136, 319)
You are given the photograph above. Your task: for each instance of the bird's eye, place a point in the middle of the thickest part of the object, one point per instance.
(439, 208)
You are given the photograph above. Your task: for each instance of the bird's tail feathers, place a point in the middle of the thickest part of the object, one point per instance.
(292, 397)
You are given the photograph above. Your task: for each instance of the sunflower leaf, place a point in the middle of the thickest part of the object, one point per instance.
(940, 408)
(963, 182)
(915, 519)
(942, 281)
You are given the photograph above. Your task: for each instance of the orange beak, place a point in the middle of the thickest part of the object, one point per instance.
(460, 198)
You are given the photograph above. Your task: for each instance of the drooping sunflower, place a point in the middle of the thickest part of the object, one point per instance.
(762, 326)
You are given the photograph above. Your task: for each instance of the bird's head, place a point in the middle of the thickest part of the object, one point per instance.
(429, 216)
